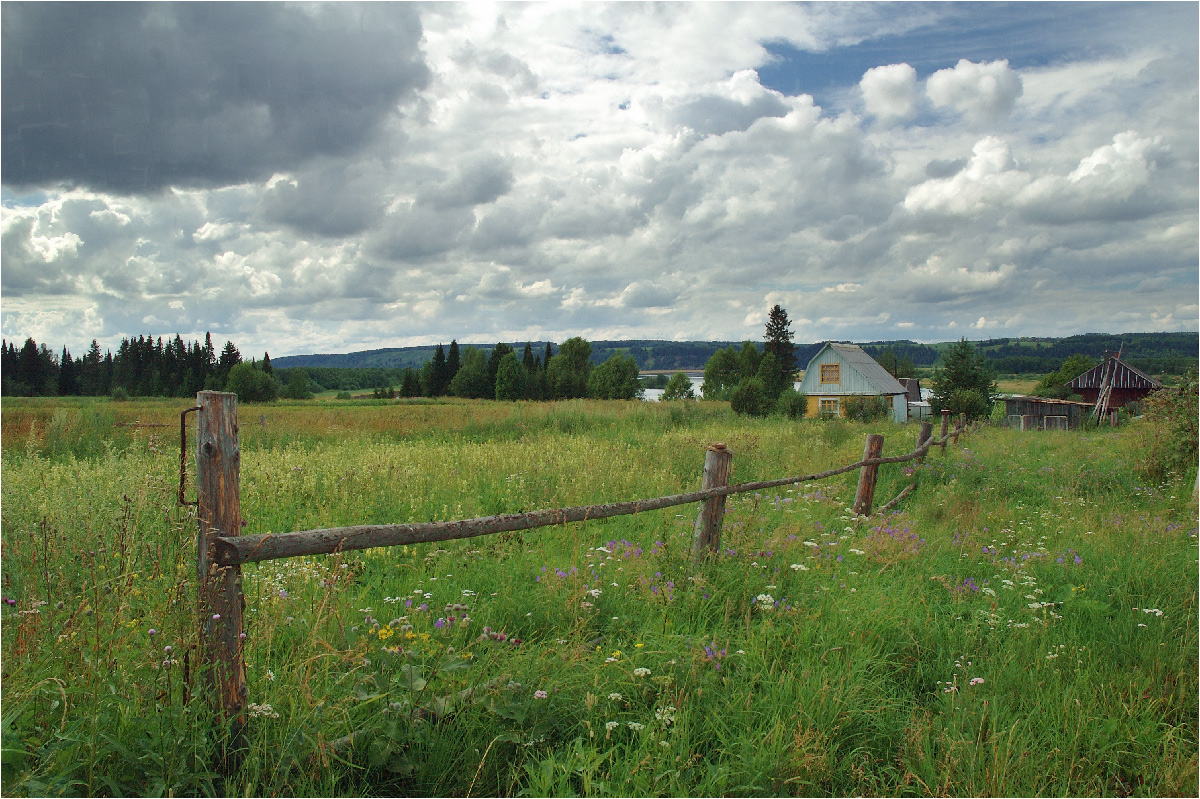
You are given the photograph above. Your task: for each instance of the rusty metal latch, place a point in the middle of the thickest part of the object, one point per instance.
(183, 454)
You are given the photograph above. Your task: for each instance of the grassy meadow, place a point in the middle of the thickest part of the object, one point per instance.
(1025, 623)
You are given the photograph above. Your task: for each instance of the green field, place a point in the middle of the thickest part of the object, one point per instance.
(1024, 624)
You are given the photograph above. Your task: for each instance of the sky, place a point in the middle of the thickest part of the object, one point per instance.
(341, 177)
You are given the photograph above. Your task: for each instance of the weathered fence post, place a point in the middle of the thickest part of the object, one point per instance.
(718, 465)
(220, 514)
(867, 475)
(923, 436)
(945, 426)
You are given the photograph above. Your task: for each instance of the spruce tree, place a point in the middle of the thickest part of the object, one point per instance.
(779, 343)
(440, 381)
(965, 382)
(453, 363)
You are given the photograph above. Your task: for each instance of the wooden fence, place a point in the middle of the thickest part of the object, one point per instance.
(220, 551)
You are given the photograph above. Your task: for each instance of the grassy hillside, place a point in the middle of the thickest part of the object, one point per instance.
(1023, 624)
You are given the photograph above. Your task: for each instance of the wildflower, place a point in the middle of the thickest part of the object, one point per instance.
(800, 567)
(216, 617)
(641, 671)
(611, 725)
(152, 632)
(635, 726)
(976, 681)
(264, 711)
(616, 697)
(540, 694)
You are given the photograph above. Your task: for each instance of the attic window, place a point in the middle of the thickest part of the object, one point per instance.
(831, 373)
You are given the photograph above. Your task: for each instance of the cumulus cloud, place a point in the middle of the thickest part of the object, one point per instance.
(342, 177)
(984, 93)
(890, 92)
(990, 177)
(1114, 182)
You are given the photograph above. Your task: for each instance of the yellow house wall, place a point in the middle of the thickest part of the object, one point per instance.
(814, 404)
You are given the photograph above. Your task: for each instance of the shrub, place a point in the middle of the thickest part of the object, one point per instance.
(616, 378)
(250, 383)
(1170, 431)
(344, 395)
(866, 409)
(791, 404)
(750, 398)
(679, 387)
(119, 394)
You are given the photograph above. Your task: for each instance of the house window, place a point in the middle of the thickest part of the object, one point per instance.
(831, 373)
(827, 407)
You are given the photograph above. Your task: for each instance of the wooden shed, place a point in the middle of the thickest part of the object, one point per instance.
(839, 371)
(1127, 384)
(1041, 413)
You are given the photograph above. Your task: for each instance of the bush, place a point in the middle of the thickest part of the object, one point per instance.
(750, 398)
(297, 386)
(616, 378)
(119, 394)
(679, 387)
(866, 409)
(344, 395)
(791, 404)
(1170, 432)
(251, 384)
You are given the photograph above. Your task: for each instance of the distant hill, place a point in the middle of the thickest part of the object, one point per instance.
(1156, 353)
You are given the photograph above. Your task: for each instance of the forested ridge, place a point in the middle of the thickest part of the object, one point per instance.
(150, 366)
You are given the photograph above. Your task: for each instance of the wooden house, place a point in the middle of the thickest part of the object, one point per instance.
(840, 371)
(1041, 413)
(1127, 384)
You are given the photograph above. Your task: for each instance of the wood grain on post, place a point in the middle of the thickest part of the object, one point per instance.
(867, 475)
(945, 426)
(925, 434)
(220, 514)
(718, 466)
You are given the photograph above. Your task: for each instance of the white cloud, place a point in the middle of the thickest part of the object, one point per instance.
(890, 92)
(984, 93)
(622, 170)
(989, 178)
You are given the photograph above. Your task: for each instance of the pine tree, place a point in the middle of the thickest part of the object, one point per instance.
(527, 357)
(779, 343)
(266, 362)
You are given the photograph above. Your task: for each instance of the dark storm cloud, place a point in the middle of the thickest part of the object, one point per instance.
(132, 97)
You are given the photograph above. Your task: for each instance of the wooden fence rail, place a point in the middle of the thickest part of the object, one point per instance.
(220, 554)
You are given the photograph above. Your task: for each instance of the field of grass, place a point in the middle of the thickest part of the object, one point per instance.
(1024, 624)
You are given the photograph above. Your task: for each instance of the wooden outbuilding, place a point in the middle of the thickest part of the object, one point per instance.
(1126, 383)
(1042, 413)
(840, 371)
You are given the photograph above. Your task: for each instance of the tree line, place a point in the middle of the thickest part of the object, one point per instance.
(503, 374)
(148, 367)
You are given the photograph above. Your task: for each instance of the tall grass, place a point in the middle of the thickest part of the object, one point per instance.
(1026, 623)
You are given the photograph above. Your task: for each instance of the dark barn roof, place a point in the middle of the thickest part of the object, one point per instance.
(1123, 376)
